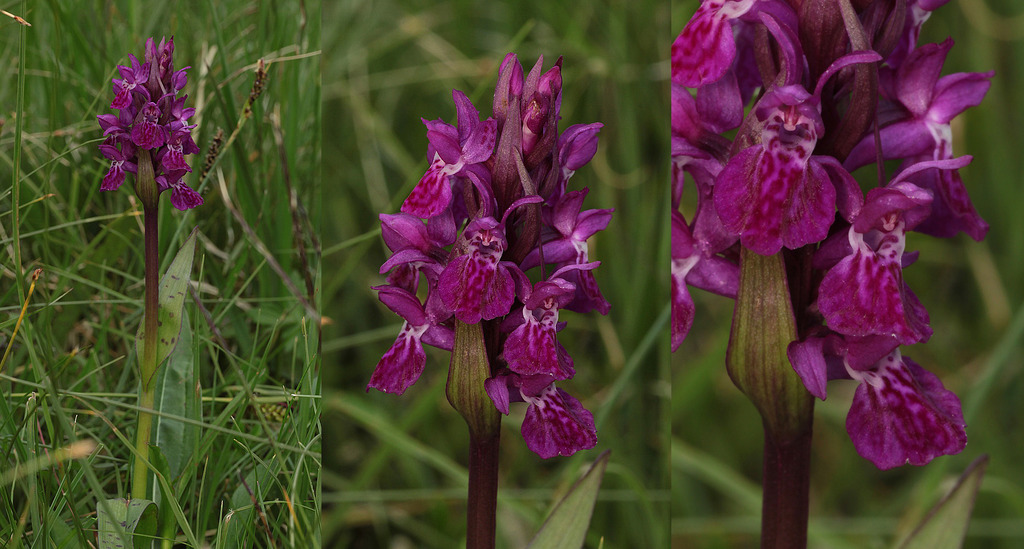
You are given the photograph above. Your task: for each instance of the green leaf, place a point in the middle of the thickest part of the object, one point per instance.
(238, 524)
(120, 521)
(164, 495)
(173, 288)
(175, 396)
(946, 524)
(566, 527)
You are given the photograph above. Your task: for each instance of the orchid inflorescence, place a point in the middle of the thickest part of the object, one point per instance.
(153, 118)
(493, 206)
(831, 86)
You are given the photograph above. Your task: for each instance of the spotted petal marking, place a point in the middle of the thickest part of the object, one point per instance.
(902, 414)
(432, 194)
(556, 424)
(402, 364)
(705, 49)
(476, 285)
(864, 294)
(532, 348)
(774, 198)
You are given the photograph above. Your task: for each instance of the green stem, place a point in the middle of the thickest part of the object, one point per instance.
(148, 366)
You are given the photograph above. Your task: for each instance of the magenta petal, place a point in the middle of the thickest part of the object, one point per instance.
(811, 207)
(901, 414)
(899, 140)
(556, 424)
(775, 198)
(475, 287)
(481, 142)
(114, 178)
(808, 360)
(955, 93)
(735, 189)
(402, 364)
(184, 198)
(432, 194)
(952, 210)
(864, 294)
(704, 50)
(530, 349)
(497, 389)
(683, 309)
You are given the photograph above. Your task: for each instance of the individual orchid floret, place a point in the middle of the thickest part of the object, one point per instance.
(576, 147)
(705, 49)
(540, 112)
(567, 244)
(917, 128)
(118, 167)
(133, 80)
(901, 413)
(532, 347)
(778, 193)
(147, 132)
(452, 152)
(864, 294)
(418, 248)
(182, 196)
(403, 363)
(556, 424)
(478, 285)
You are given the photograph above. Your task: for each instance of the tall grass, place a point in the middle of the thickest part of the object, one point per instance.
(243, 474)
(395, 467)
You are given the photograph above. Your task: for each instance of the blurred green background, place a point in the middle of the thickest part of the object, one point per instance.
(974, 293)
(395, 465)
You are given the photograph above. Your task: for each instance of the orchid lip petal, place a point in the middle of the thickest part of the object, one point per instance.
(901, 413)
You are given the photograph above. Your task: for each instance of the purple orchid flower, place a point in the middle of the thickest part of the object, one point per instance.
(556, 424)
(452, 153)
(777, 174)
(403, 363)
(565, 243)
(864, 293)
(151, 118)
(901, 413)
(478, 285)
(129, 84)
(778, 193)
(915, 127)
(514, 166)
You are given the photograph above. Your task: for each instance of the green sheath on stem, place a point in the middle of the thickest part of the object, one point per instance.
(762, 327)
(469, 368)
(467, 372)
